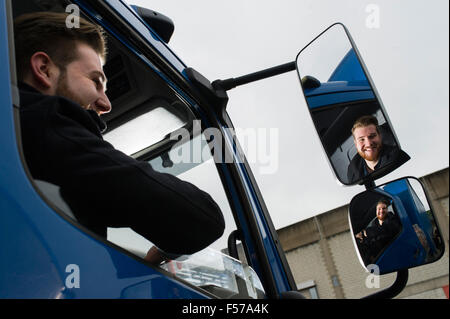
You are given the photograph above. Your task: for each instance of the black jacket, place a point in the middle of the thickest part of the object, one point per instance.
(379, 237)
(383, 234)
(357, 168)
(104, 187)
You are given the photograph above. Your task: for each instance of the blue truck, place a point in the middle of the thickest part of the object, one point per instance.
(46, 253)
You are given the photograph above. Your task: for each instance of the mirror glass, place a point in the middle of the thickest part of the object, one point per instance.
(353, 127)
(394, 227)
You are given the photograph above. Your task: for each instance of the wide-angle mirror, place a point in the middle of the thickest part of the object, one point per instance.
(394, 227)
(352, 124)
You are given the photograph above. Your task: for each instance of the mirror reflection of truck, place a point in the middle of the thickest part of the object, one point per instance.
(416, 242)
(343, 95)
(149, 84)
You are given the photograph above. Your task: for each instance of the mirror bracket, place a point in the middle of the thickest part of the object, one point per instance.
(231, 83)
(213, 96)
(397, 287)
(216, 92)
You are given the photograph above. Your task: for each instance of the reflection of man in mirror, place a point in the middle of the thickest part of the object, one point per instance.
(372, 153)
(379, 233)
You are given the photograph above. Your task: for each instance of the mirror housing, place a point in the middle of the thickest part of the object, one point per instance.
(349, 117)
(161, 24)
(394, 228)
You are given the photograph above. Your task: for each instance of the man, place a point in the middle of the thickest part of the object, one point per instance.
(379, 233)
(62, 95)
(372, 153)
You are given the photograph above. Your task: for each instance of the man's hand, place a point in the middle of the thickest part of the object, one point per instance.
(361, 235)
(155, 256)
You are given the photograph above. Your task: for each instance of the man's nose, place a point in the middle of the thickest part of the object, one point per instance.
(103, 105)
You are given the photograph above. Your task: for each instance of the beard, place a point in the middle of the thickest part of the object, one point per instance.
(381, 216)
(63, 90)
(373, 156)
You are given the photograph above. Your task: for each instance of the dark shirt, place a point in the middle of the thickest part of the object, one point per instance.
(357, 169)
(104, 187)
(380, 236)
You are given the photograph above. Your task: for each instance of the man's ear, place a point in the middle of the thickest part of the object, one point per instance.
(44, 73)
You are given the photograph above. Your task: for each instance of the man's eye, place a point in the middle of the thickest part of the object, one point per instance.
(97, 82)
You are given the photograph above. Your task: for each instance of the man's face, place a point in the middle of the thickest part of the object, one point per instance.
(381, 211)
(84, 81)
(367, 142)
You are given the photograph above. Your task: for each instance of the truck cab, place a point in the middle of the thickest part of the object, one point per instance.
(157, 116)
(164, 113)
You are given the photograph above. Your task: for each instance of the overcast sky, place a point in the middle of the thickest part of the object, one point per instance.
(404, 44)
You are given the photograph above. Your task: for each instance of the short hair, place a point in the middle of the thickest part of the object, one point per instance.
(384, 201)
(364, 121)
(48, 32)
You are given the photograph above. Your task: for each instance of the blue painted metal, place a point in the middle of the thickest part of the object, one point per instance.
(337, 97)
(406, 251)
(348, 83)
(417, 213)
(349, 69)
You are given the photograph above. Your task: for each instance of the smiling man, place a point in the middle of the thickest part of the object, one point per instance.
(62, 95)
(379, 233)
(372, 153)
(84, 82)
(382, 210)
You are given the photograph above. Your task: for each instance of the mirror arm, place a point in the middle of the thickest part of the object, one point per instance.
(394, 290)
(369, 184)
(231, 83)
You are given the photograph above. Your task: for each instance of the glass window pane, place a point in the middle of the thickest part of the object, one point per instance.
(145, 130)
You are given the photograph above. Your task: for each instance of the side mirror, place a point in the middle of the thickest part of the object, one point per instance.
(394, 227)
(349, 117)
